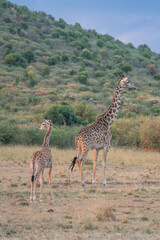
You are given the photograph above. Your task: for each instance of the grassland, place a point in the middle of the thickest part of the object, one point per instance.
(128, 209)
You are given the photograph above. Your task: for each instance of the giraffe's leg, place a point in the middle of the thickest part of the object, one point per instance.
(49, 170)
(96, 151)
(41, 186)
(105, 151)
(79, 153)
(31, 196)
(37, 173)
(84, 155)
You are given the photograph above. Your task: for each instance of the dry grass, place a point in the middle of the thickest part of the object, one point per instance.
(128, 209)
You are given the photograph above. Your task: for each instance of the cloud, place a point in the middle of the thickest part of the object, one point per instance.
(148, 35)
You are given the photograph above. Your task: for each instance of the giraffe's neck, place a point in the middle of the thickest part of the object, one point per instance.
(47, 137)
(110, 115)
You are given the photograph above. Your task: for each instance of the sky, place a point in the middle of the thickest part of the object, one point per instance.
(135, 21)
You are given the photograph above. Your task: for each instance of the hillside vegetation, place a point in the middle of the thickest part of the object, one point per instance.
(44, 61)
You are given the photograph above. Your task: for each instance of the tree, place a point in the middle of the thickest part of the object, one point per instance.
(125, 66)
(65, 57)
(61, 23)
(152, 69)
(143, 47)
(100, 43)
(63, 114)
(45, 71)
(82, 77)
(85, 111)
(117, 72)
(15, 59)
(53, 60)
(86, 54)
(29, 55)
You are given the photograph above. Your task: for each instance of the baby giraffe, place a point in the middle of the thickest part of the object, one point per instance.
(39, 161)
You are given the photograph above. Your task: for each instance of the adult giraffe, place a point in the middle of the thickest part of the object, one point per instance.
(97, 135)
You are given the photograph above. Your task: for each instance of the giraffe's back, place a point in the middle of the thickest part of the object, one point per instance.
(42, 158)
(93, 136)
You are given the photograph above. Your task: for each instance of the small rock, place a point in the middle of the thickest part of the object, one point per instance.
(50, 210)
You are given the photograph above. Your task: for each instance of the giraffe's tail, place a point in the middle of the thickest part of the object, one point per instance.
(32, 178)
(32, 166)
(73, 163)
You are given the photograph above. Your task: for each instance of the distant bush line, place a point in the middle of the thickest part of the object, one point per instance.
(139, 133)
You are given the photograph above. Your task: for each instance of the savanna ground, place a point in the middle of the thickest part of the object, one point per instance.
(128, 209)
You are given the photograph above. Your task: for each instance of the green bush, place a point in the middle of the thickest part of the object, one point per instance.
(99, 73)
(86, 54)
(31, 74)
(65, 57)
(53, 60)
(85, 111)
(150, 133)
(24, 25)
(63, 115)
(8, 133)
(156, 76)
(45, 71)
(147, 54)
(100, 43)
(15, 59)
(125, 132)
(82, 77)
(125, 66)
(61, 23)
(29, 55)
(143, 48)
(117, 72)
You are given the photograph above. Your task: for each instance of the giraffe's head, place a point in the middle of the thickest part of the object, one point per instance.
(45, 125)
(126, 84)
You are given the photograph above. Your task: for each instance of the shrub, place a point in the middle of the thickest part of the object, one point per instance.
(143, 47)
(53, 60)
(152, 69)
(125, 66)
(156, 76)
(82, 43)
(56, 33)
(86, 54)
(100, 43)
(63, 114)
(8, 133)
(147, 54)
(99, 74)
(31, 74)
(24, 25)
(82, 77)
(65, 57)
(15, 59)
(103, 53)
(117, 72)
(45, 71)
(150, 133)
(8, 48)
(61, 23)
(85, 111)
(29, 55)
(125, 132)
